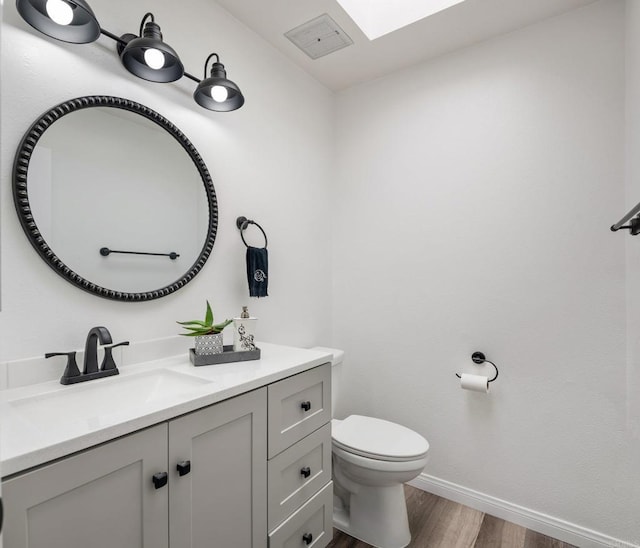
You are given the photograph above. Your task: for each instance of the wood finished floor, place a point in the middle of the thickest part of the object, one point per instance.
(439, 523)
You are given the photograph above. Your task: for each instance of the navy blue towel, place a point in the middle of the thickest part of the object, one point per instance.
(257, 270)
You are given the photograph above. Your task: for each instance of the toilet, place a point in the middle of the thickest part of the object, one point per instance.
(371, 459)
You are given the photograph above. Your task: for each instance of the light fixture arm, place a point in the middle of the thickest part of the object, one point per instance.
(192, 77)
(149, 28)
(113, 37)
(207, 62)
(144, 19)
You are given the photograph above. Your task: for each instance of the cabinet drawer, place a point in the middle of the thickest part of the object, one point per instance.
(298, 406)
(311, 526)
(297, 473)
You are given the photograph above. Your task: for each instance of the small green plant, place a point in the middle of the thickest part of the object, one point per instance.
(206, 327)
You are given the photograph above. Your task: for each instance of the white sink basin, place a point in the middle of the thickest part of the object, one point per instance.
(97, 400)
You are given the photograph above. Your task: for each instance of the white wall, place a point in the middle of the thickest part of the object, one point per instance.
(269, 161)
(633, 197)
(473, 202)
(1, 164)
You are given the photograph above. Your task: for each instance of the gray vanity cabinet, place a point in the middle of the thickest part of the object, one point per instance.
(105, 497)
(102, 498)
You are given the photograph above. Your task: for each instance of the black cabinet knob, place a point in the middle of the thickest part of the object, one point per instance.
(307, 538)
(306, 405)
(183, 467)
(160, 479)
(306, 472)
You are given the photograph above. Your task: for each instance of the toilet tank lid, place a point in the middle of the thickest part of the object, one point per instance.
(338, 355)
(379, 437)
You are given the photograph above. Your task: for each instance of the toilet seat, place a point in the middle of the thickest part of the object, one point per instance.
(378, 439)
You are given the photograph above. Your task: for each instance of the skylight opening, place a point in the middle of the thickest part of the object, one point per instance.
(379, 17)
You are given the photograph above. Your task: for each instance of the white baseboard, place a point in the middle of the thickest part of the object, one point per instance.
(536, 521)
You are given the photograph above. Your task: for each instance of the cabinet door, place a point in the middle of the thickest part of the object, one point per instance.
(102, 498)
(221, 501)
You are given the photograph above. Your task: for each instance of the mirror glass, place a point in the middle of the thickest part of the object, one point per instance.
(105, 180)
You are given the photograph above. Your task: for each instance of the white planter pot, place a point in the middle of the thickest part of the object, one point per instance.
(205, 345)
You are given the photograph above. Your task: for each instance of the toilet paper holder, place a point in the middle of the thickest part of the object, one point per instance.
(479, 358)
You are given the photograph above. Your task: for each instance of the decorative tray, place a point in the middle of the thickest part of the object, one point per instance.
(229, 355)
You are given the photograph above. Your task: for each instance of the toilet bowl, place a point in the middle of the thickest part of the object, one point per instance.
(371, 459)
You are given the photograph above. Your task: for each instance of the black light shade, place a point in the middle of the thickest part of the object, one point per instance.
(217, 92)
(135, 58)
(81, 26)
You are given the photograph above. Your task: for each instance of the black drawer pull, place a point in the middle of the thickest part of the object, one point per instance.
(306, 471)
(307, 538)
(183, 467)
(306, 405)
(159, 479)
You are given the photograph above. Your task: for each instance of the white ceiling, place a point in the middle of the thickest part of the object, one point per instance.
(457, 27)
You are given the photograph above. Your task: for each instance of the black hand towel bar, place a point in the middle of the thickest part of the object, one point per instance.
(633, 226)
(105, 252)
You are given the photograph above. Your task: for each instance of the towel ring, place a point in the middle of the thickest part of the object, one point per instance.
(242, 223)
(479, 358)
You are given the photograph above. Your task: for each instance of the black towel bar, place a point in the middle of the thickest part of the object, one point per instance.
(634, 226)
(105, 252)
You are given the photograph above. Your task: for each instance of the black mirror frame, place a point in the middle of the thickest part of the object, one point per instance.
(23, 208)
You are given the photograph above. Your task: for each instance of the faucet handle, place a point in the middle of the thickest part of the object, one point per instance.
(108, 362)
(123, 343)
(71, 371)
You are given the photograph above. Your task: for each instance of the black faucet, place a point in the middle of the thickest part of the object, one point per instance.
(91, 348)
(90, 371)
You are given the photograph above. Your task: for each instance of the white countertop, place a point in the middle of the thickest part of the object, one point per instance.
(78, 416)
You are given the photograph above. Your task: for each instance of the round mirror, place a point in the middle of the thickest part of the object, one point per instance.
(115, 198)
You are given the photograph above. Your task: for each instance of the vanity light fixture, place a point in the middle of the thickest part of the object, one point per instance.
(67, 20)
(145, 55)
(217, 92)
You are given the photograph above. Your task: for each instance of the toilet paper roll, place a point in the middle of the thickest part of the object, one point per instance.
(476, 383)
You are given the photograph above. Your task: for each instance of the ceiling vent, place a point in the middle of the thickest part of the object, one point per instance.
(319, 37)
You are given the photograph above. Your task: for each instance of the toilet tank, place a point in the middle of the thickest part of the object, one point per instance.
(336, 373)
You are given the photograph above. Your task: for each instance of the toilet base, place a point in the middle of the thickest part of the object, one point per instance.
(375, 515)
